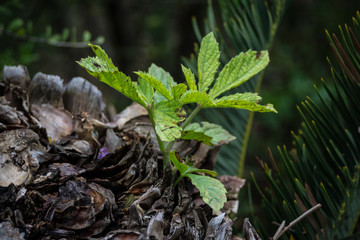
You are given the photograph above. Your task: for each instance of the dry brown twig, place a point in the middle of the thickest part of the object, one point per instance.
(282, 229)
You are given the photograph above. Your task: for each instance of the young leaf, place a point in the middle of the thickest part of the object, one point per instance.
(208, 133)
(163, 76)
(145, 91)
(194, 96)
(238, 70)
(178, 90)
(167, 115)
(102, 68)
(208, 61)
(156, 83)
(211, 190)
(190, 78)
(247, 101)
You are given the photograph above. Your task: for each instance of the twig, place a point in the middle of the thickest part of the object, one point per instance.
(54, 43)
(281, 230)
(276, 235)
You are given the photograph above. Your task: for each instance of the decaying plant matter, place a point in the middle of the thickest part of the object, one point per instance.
(71, 173)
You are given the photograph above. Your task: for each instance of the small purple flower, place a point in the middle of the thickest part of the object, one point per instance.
(102, 153)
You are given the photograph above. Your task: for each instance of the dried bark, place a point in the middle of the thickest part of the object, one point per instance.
(68, 173)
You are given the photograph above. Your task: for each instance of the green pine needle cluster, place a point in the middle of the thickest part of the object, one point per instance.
(323, 164)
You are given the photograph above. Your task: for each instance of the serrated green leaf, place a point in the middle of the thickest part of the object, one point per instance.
(247, 101)
(208, 133)
(167, 115)
(145, 91)
(238, 70)
(190, 77)
(156, 84)
(103, 69)
(211, 190)
(208, 61)
(163, 76)
(194, 96)
(178, 90)
(99, 52)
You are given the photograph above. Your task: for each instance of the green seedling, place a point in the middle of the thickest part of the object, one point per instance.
(164, 99)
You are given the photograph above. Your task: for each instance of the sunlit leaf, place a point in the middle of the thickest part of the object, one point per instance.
(208, 61)
(145, 91)
(163, 76)
(194, 96)
(190, 77)
(102, 68)
(238, 70)
(247, 101)
(178, 90)
(167, 115)
(156, 84)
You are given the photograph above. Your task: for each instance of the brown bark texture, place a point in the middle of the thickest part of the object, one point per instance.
(67, 172)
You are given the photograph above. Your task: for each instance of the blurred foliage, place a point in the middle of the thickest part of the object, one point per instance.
(13, 27)
(137, 33)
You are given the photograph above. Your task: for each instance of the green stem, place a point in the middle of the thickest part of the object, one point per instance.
(184, 124)
(245, 145)
(178, 180)
(191, 116)
(161, 143)
(247, 133)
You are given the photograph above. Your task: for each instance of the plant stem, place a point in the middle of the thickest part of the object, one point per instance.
(178, 180)
(191, 116)
(246, 137)
(184, 124)
(161, 143)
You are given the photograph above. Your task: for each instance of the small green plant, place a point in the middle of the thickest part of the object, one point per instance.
(164, 100)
